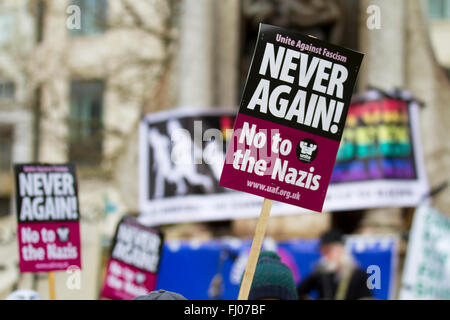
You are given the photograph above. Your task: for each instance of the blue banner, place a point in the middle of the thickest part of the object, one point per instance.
(213, 269)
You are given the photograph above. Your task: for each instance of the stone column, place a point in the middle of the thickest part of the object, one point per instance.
(49, 68)
(226, 40)
(196, 54)
(383, 67)
(427, 81)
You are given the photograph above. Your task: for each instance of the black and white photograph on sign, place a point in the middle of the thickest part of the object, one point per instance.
(181, 155)
(185, 155)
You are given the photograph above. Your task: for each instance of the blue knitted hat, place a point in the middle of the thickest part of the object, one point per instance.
(272, 279)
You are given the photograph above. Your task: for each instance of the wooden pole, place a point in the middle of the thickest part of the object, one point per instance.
(258, 238)
(51, 285)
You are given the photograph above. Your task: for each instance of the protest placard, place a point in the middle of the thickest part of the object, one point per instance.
(426, 273)
(291, 118)
(289, 126)
(133, 265)
(48, 217)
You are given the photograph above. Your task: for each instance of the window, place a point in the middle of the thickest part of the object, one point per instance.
(6, 28)
(93, 17)
(5, 148)
(439, 9)
(85, 122)
(4, 206)
(347, 222)
(37, 116)
(7, 90)
(331, 21)
(40, 15)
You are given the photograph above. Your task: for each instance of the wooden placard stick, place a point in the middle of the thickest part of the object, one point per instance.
(258, 238)
(51, 286)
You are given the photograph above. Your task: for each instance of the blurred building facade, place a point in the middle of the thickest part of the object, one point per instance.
(16, 122)
(87, 71)
(16, 40)
(81, 73)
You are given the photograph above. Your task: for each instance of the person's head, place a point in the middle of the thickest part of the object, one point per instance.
(332, 247)
(272, 279)
(24, 294)
(161, 295)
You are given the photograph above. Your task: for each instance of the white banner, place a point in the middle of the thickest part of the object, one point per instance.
(380, 161)
(426, 274)
(181, 156)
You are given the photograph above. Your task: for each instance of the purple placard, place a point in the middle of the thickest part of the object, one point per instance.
(48, 217)
(135, 256)
(286, 178)
(291, 118)
(47, 247)
(125, 282)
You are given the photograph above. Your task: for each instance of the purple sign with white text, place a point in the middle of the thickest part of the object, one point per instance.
(133, 266)
(291, 119)
(48, 217)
